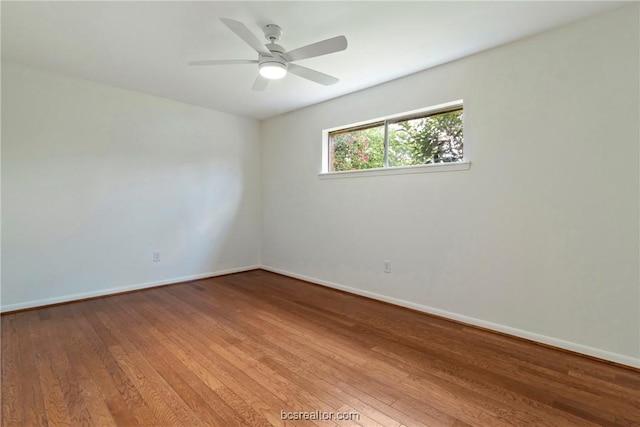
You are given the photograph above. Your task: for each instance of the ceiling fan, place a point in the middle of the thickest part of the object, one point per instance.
(274, 61)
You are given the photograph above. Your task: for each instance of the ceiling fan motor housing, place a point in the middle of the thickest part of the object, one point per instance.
(277, 55)
(273, 66)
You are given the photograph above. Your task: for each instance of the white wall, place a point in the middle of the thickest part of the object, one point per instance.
(539, 238)
(95, 178)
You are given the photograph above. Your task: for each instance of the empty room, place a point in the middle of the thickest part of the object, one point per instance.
(316, 213)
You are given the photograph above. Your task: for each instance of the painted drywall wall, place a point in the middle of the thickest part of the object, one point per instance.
(95, 179)
(538, 238)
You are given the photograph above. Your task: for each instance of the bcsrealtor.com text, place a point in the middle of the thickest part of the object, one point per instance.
(319, 416)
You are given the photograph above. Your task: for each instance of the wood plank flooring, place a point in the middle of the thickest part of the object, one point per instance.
(253, 348)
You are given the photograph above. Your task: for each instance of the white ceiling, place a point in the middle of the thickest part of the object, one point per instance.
(145, 46)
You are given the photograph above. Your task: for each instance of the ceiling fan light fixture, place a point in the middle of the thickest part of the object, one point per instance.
(273, 70)
(274, 61)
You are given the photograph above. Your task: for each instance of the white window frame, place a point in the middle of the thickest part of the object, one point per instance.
(393, 170)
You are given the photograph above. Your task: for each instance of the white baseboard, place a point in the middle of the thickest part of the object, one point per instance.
(113, 291)
(555, 342)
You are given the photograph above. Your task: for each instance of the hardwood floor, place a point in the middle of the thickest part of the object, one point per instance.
(248, 348)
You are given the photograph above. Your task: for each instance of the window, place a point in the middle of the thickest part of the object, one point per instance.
(426, 137)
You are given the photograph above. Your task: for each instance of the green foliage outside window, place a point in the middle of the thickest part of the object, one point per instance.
(359, 149)
(426, 140)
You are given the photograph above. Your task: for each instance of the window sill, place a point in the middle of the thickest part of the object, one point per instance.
(440, 167)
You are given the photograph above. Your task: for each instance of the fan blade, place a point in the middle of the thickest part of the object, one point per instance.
(245, 34)
(223, 62)
(260, 84)
(335, 44)
(313, 75)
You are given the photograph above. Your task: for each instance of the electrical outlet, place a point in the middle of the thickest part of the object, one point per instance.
(387, 266)
(156, 256)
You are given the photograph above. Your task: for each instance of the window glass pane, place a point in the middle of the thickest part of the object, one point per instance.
(433, 139)
(357, 149)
